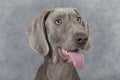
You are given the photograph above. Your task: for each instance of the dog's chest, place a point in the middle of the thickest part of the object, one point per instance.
(60, 71)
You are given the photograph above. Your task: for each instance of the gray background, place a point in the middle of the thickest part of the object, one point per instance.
(19, 62)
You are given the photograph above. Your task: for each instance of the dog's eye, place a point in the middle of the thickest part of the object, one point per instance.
(58, 21)
(79, 19)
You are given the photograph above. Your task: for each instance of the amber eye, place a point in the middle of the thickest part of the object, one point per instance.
(58, 21)
(78, 19)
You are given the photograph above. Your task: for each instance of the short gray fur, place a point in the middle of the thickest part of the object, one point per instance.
(19, 62)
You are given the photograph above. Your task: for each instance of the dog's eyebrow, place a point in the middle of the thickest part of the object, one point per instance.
(60, 15)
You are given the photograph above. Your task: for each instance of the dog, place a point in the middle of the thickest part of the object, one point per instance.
(59, 35)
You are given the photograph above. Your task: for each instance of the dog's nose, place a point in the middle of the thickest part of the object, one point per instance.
(80, 38)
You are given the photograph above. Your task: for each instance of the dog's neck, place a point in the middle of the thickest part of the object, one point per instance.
(58, 69)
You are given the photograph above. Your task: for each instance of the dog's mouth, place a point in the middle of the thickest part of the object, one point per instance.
(73, 56)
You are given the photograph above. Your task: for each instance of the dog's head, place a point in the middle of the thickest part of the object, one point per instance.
(62, 30)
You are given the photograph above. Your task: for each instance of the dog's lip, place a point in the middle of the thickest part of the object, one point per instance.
(71, 50)
(75, 50)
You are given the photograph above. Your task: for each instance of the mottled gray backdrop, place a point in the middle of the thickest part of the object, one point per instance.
(19, 62)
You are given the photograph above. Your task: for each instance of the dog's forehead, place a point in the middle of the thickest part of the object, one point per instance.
(64, 10)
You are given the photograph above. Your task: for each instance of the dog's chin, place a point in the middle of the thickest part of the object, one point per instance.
(74, 56)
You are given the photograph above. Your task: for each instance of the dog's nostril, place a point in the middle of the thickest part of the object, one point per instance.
(79, 39)
(82, 40)
(86, 39)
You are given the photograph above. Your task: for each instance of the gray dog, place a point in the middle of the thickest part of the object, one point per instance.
(59, 35)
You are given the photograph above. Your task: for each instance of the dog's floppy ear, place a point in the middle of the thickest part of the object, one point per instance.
(37, 34)
(87, 46)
